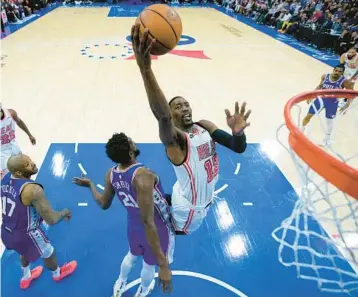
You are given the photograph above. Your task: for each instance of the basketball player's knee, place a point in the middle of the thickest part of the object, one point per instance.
(148, 269)
(48, 252)
(130, 259)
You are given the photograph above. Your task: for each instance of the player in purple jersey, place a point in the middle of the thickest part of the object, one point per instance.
(149, 229)
(24, 207)
(335, 80)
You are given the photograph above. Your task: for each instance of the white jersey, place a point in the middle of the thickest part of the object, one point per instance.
(9, 146)
(198, 175)
(350, 66)
(8, 126)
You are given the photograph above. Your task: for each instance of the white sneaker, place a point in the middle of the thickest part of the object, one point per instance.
(141, 293)
(119, 288)
(326, 142)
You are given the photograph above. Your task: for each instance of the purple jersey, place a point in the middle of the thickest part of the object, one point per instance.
(17, 217)
(121, 181)
(328, 84)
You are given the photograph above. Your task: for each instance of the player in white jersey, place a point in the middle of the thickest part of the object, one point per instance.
(9, 147)
(350, 61)
(189, 146)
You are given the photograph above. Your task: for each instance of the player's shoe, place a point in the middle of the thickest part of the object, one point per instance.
(119, 288)
(35, 273)
(326, 142)
(66, 270)
(142, 293)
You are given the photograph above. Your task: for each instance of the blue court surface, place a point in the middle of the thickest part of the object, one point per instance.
(232, 254)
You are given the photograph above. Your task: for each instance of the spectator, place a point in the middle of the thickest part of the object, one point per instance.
(293, 21)
(337, 27)
(285, 17)
(327, 24)
(324, 23)
(341, 45)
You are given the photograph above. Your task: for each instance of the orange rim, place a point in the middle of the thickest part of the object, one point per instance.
(338, 173)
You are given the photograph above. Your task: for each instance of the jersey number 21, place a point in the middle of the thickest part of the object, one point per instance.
(128, 200)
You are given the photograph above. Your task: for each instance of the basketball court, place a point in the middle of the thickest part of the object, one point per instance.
(71, 77)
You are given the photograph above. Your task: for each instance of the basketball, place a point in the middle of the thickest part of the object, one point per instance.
(164, 24)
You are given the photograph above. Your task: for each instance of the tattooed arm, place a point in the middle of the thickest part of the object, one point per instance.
(34, 195)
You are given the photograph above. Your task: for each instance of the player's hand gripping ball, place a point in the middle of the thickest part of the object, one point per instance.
(164, 25)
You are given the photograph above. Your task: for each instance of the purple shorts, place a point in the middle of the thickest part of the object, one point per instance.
(330, 105)
(32, 245)
(138, 244)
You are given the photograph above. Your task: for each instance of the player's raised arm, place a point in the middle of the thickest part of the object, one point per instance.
(22, 125)
(237, 122)
(157, 101)
(319, 87)
(34, 195)
(341, 59)
(103, 200)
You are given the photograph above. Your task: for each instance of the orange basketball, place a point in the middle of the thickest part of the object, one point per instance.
(164, 24)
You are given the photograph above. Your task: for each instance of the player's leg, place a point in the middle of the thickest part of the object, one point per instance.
(315, 108)
(47, 253)
(24, 246)
(28, 275)
(331, 107)
(126, 267)
(135, 250)
(147, 284)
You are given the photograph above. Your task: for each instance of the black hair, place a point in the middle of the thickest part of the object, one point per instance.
(172, 100)
(118, 148)
(340, 66)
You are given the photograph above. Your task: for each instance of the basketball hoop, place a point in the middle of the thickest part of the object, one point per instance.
(320, 237)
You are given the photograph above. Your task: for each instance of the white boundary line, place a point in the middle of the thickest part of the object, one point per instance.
(238, 166)
(197, 275)
(221, 189)
(82, 169)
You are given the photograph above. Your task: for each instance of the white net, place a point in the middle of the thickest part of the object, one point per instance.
(320, 237)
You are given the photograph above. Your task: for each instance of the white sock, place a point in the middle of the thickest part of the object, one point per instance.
(57, 272)
(329, 128)
(127, 265)
(147, 275)
(26, 272)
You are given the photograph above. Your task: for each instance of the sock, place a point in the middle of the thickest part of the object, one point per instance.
(329, 128)
(26, 272)
(127, 265)
(147, 275)
(57, 272)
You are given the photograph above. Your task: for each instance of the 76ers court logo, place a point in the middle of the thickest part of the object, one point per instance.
(124, 51)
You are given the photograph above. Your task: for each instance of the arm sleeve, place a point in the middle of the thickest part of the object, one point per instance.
(236, 143)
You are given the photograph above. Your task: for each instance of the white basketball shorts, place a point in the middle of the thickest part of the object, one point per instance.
(10, 150)
(186, 219)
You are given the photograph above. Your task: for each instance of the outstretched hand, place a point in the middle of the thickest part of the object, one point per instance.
(238, 121)
(81, 181)
(142, 47)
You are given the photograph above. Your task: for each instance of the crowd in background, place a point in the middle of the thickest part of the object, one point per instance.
(338, 18)
(335, 17)
(17, 10)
